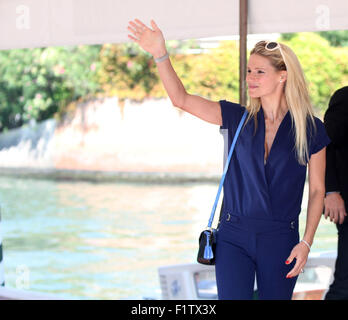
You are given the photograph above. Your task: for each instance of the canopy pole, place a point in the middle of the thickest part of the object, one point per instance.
(243, 33)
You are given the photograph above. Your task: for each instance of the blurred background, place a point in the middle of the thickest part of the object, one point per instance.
(102, 180)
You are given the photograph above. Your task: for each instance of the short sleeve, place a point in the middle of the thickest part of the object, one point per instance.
(319, 138)
(231, 114)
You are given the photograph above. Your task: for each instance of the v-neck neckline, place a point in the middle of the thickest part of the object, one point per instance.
(266, 161)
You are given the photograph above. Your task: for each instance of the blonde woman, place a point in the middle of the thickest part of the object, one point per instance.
(258, 233)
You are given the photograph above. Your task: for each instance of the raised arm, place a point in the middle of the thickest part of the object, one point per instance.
(152, 41)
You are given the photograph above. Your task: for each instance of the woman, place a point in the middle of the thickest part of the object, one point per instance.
(258, 232)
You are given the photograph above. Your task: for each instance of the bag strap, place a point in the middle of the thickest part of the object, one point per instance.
(210, 222)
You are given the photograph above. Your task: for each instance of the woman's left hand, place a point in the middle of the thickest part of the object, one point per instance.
(300, 253)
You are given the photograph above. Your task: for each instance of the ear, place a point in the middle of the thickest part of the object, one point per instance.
(283, 75)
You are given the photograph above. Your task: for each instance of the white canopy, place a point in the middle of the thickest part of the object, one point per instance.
(41, 23)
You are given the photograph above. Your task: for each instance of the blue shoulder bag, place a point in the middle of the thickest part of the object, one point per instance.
(207, 238)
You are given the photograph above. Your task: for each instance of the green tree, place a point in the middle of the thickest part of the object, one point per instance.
(38, 83)
(336, 38)
(129, 72)
(325, 67)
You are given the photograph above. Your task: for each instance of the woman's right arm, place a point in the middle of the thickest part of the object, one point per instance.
(153, 42)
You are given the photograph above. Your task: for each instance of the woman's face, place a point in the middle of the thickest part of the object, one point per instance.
(262, 78)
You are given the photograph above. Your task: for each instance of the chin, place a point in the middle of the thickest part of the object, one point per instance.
(254, 95)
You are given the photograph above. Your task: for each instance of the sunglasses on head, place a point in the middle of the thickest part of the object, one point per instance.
(272, 45)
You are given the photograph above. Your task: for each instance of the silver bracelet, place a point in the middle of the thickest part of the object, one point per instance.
(160, 59)
(307, 244)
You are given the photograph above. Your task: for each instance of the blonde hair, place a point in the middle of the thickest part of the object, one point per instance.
(296, 94)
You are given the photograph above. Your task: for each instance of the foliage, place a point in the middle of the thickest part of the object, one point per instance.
(131, 73)
(325, 67)
(336, 38)
(40, 83)
(37, 83)
(215, 74)
(287, 36)
(126, 72)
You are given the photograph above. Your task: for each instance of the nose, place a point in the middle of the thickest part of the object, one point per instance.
(250, 77)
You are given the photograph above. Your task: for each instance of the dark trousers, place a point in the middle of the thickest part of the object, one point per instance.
(246, 248)
(339, 287)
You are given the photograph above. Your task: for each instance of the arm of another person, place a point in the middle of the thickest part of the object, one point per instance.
(152, 41)
(335, 120)
(316, 179)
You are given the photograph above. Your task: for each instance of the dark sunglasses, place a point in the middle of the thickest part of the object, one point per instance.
(272, 45)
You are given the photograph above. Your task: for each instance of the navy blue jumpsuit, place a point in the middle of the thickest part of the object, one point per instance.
(262, 202)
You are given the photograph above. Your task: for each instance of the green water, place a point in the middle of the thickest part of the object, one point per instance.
(105, 241)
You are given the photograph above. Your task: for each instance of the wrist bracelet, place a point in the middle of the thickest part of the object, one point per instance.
(307, 244)
(160, 59)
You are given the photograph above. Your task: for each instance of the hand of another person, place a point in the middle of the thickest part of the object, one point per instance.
(334, 208)
(151, 40)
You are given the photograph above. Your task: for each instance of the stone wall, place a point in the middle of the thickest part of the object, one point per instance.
(102, 135)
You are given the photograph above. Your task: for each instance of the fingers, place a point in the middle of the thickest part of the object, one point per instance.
(341, 216)
(288, 261)
(139, 26)
(334, 216)
(295, 271)
(327, 212)
(154, 25)
(290, 258)
(136, 30)
(131, 30)
(143, 26)
(132, 38)
(334, 208)
(300, 253)
(134, 33)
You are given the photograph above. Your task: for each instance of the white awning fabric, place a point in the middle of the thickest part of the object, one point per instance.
(42, 23)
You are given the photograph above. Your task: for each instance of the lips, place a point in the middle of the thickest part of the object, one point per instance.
(252, 86)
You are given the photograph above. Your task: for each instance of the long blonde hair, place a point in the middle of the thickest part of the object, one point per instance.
(296, 94)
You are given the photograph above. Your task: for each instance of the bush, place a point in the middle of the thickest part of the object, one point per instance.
(129, 72)
(126, 72)
(325, 67)
(38, 83)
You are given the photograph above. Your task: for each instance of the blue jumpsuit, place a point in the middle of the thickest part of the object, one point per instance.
(262, 202)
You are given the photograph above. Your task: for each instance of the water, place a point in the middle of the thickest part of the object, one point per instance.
(105, 241)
